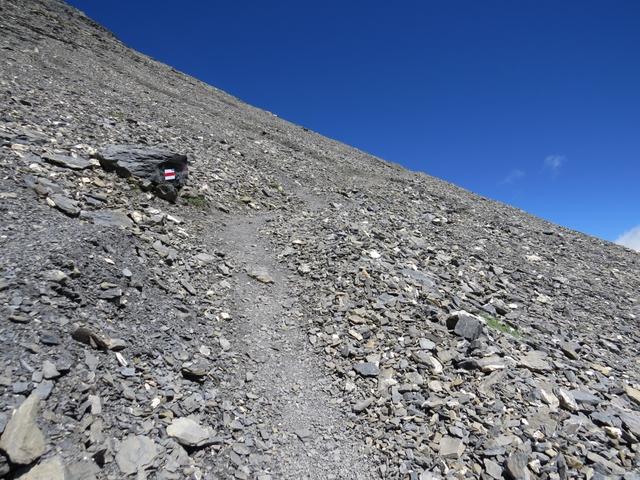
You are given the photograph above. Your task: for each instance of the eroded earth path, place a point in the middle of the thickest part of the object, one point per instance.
(291, 415)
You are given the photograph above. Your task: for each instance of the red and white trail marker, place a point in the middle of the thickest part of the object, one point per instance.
(169, 174)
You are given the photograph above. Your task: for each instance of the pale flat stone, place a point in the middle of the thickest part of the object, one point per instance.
(188, 432)
(136, 452)
(22, 440)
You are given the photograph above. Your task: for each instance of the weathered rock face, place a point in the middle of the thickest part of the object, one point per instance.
(166, 171)
(303, 310)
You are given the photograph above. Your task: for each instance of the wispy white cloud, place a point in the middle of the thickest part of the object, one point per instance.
(554, 162)
(513, 176)
(630, 239)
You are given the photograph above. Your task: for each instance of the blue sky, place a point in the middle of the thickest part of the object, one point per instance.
(534, 103)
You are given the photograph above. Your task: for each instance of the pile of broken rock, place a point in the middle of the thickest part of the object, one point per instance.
(299, 309)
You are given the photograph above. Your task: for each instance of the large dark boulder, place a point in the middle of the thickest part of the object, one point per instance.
(153, 165)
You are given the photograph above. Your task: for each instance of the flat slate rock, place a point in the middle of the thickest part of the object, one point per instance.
(66, 161)
(108, 218)
(135, 453)
(465, 325)
(189, 433)
(65, 205)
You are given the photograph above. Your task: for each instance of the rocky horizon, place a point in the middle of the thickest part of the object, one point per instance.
(195, 288)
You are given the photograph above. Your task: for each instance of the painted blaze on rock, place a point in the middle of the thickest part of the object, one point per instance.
(162, 169)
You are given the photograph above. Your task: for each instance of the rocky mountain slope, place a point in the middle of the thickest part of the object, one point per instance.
(301, 310)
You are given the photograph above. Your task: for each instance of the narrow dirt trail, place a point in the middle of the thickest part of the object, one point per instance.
(305, 433)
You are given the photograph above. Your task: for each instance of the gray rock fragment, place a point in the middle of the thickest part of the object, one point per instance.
(535, 361)
(261, 275)
(135, 453)
(451, 447)
(465, 325)
(189, 433)
(516, 466)
(367, 369)
(65, 205)
(66, 161)
(107, 218)
(22, 440)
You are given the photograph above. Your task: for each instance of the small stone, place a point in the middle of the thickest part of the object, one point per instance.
(205, 258)
(116, 344)
(22, 440)
(196, 372)
(426, 344)
(566, 400)
(261, 275)
(135, 453)
(362, 405)
(57, 276)
(549, 398)
(107, 218)
(49, 370)
(4, 466)
(224, 343)
(189, 433)
(91, 338)
(465, 325)
(83, 470)
(17, 318)
(535, 361)
(516, 467)
(44, 389)
(632, 393)
(110, 294)
(493, 469)
(64, 204)
(49, 339)
(367, 369)
(66, 161)
(451, 447)
(20, 388)
(304, 434)
(96, 404)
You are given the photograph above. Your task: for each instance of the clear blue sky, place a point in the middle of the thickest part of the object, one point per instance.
(534, 103)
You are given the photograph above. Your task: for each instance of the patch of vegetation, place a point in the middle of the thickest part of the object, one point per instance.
(502, 327)
(198, 201)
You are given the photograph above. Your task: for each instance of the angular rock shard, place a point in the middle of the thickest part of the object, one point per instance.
(52, 469)
(465, 325)
(22, 440)
(189, 433)
(135, 453)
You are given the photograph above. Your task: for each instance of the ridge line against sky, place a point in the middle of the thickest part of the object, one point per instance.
(534, 104)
